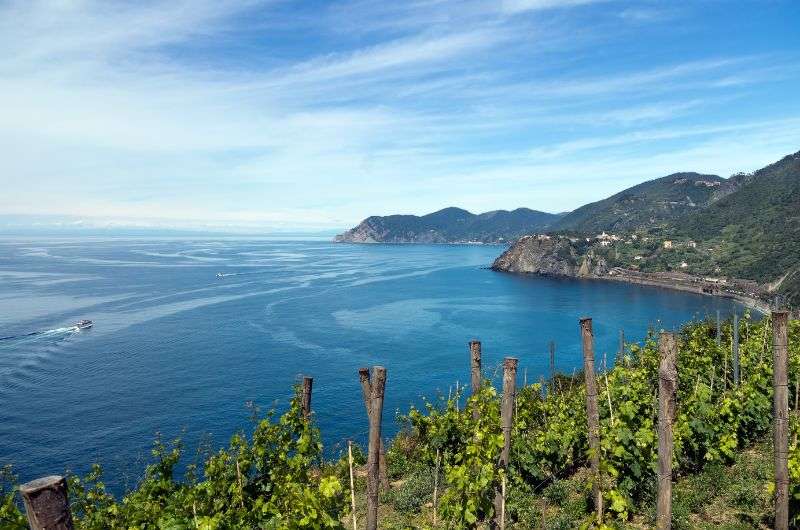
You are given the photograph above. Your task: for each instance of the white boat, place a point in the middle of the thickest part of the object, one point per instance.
(84, 324)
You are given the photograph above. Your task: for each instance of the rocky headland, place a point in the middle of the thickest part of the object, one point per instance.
(561, 256)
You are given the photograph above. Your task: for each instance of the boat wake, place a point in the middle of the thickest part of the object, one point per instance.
(49, 332)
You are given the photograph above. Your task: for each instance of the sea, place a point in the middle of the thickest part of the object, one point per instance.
(191, 335)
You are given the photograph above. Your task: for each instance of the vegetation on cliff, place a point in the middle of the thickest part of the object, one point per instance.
(450, 225)
(756, 230)
(652, 204)
(744, 231)
(277, 478)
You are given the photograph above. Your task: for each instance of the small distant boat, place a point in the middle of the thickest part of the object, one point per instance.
(84, 324)
(220, 275)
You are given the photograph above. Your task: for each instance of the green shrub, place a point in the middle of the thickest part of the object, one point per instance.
(415, 491)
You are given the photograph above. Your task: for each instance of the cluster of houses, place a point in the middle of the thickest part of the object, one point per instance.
(606, 240)
(669, 244)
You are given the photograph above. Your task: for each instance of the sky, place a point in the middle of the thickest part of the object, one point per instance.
(310, 115)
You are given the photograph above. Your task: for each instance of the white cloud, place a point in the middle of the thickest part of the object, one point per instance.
(517, 6)
(215, 111)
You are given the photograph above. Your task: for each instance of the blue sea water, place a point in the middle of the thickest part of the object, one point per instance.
(176, 349)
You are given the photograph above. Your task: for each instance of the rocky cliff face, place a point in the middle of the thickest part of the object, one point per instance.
(550, 256)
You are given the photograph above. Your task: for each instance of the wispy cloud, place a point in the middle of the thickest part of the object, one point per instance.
(516, 6)
(392, 57)
(261, 111)
(657, 135)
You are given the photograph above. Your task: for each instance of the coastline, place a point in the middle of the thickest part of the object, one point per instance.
(696, 285)
(673, 281)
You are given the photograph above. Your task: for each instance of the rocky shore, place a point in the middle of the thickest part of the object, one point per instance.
(559, 257)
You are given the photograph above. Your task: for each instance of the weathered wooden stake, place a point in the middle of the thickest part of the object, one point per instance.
(719, 329)
(796, 393)
(308, 382)
(378, 385)
(503, 505)
(507, 419)
(46, 503)
(475, 371)
(735, 349)
(366, 391)
(241, 486)
(621, 343)
(592, 415)
(781, 403)
(608, 393)
(436, 489)
(667, 387)
(724, 372)
(352, 484)
(552, 360)
(507, 411)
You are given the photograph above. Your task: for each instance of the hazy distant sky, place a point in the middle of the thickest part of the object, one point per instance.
(314, 114)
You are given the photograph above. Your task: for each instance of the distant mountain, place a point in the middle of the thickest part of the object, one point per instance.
(648, 205)
(450, 225)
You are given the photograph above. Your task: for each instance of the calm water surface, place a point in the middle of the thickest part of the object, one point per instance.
(177, 348)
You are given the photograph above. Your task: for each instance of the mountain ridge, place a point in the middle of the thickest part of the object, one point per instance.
(650, 203)
(449, 225)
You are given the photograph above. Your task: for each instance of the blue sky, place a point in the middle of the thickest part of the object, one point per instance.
(259, 114)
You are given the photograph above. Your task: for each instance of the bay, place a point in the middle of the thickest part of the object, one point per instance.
(189, 331)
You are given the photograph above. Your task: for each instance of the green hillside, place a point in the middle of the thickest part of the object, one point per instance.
(648, 205)
(756, 229)
(449, 225)
(746, 227)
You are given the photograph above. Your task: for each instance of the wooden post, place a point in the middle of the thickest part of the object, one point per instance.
(621, 343)
(781, 402)
(475, 365)
(724, 371)
(507, 411)
(46, 503)
(552, 360)
(308, 382)
(366, 391)
(475, 370)
(436, 489)
(503, 505)
(378, 385)
(507, 419)
(667, 387)
(352, 484)
(592, 414)
(241, 487)
(719, 330)
(735, 349)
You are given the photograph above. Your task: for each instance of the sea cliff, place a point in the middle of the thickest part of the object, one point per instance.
(560, 256)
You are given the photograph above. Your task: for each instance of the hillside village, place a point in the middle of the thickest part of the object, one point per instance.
(642, 258)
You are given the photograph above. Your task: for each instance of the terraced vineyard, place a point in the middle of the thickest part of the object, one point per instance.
(443, 464)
